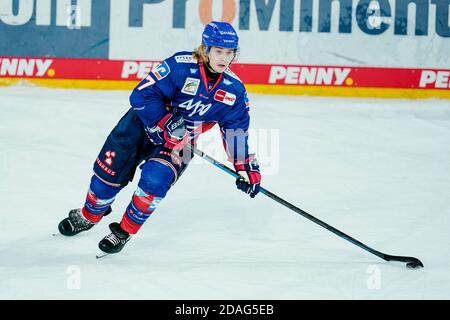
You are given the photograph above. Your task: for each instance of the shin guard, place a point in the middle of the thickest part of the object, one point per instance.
(99, 199)
(140, 208)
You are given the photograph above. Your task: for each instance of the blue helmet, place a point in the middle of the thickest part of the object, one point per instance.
(220, 34)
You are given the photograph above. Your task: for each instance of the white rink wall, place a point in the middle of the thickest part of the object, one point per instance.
(385, 34)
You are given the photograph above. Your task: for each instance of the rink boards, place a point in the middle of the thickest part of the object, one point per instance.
(260, 78)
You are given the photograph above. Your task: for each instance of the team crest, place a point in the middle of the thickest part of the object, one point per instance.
(191, 86)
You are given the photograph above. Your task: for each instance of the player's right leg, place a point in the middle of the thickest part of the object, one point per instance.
(159, 173)
(98, 204)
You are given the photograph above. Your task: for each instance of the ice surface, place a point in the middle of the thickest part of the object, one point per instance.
(378, 170)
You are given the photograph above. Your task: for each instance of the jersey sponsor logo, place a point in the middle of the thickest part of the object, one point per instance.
(194, 70)
(197, 107)
(227, 82)
(309, 75)
(26, 67)
(191, 86)
(435, 79)
(225, 97)
(161, 70)
(185, 59)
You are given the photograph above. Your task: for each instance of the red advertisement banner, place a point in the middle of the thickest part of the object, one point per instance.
(259, 74)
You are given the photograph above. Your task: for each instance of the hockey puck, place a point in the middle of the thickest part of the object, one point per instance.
(413, 265)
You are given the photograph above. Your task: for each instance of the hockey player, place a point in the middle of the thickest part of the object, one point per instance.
(180, 98)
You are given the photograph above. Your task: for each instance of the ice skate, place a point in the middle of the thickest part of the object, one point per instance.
(116, 240)
(76, 223)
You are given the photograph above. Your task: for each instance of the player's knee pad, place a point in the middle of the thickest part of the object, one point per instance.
(103, 190)
(156, 178)
(140, 208)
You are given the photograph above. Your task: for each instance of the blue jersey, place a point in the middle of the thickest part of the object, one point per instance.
(180, 82)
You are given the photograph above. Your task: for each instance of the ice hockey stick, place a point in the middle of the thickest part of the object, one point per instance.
(411, 262)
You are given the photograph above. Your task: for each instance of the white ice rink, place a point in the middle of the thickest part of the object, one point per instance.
(378, 170)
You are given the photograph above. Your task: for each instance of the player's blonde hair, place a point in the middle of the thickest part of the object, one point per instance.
(200, 53)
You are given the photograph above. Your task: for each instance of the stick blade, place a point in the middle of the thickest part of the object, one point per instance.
(411, 262)
(414, 264)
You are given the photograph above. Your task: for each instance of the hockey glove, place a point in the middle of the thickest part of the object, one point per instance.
(250, 177)
(170, 131)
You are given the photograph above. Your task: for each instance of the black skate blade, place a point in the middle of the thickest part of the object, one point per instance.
(101, 255)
